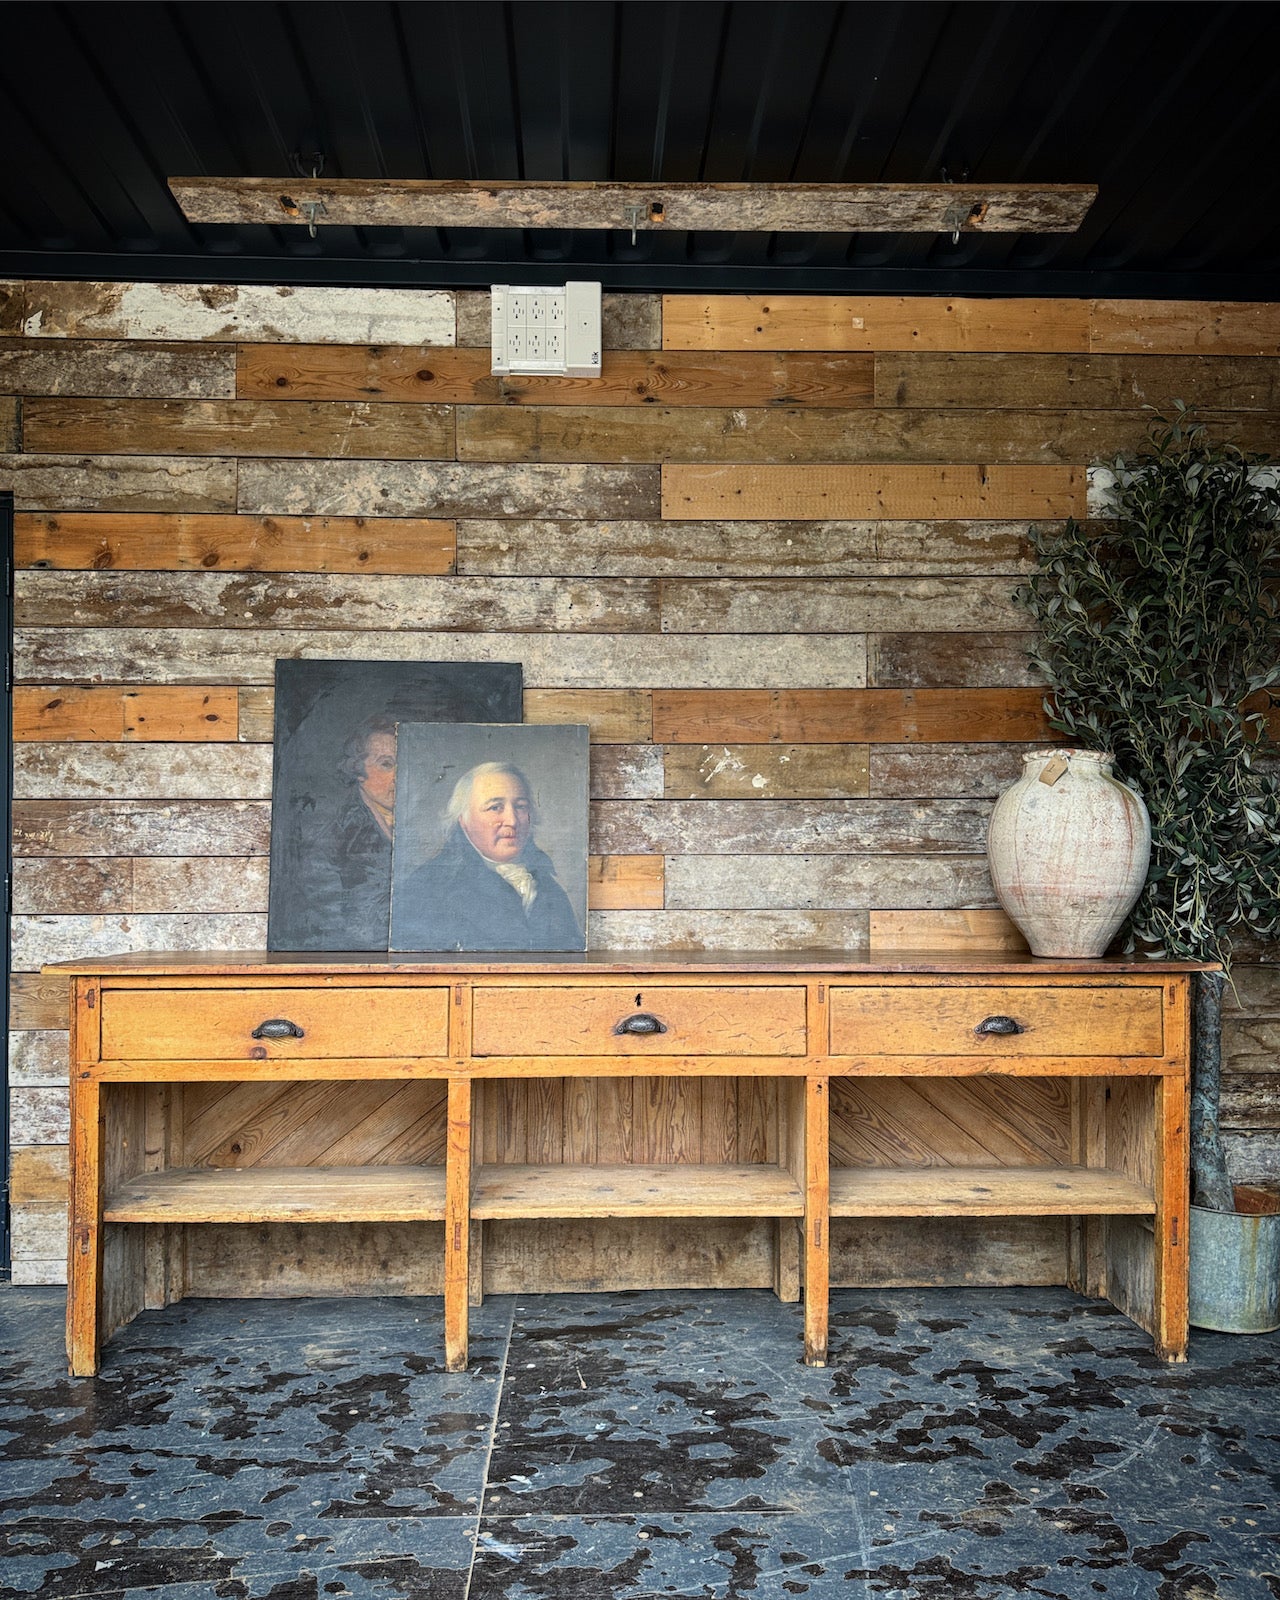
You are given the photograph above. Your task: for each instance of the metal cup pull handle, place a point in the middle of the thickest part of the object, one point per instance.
(277, 1028)
(1000, 1025)
(640, 1022)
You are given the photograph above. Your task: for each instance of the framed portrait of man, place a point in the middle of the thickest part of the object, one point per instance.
(490, 850)
(334, 789)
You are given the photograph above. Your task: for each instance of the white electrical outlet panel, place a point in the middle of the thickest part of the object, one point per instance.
(547, 330)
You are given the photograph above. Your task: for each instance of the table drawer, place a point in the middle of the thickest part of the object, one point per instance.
(887, 1020)
(219, 1024)
(723, 1020)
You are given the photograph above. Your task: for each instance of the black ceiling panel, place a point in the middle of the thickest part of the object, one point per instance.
(1170, 109)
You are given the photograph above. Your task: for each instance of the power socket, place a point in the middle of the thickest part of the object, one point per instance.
(553, 330)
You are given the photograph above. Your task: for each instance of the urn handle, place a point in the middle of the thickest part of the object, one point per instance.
(278, 1028)
(999, 1025)
(642, 1022)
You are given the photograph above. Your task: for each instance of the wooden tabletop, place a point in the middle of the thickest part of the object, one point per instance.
(233, 963)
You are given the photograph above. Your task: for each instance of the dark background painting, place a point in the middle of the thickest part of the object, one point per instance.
(554, 759)
(330, 871)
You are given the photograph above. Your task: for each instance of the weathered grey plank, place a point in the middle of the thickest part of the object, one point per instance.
(228, 312)
(824, 882)
(38, 1056)
(777, 827)
(33, 1270)
(1254, 988)
(141, 828)
(91, 368)
(696, 434)
(733, 930)
(350, 430)
(746, 549)
(837, 605)
(911, 771)
(773, 771)
(568, 661)
(626, 772)
(186, 884)
(39, 1115)
(40, 1230)
(997, 660)
(37, 940)
(142, 771)
(1250, 1044)
(1253, 1156)
(312, 600)
(450, 489)
(1251, 1100)
(120, 483)
(46, 885)
(934, 379)
(628, 321)
(91, 885)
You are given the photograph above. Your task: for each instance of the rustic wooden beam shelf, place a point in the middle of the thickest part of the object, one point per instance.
(470, 1125)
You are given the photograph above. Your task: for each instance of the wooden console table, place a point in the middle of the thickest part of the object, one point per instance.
(287, 1124)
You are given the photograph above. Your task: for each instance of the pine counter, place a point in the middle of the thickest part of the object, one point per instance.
(271, 1124)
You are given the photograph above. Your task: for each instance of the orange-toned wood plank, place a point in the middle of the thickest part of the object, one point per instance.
(627, 377)
(614, 716)
(84, 1252)
(861, 716)
(815, 492)
(871, 322)
(206, 715)
(817, 1242)
(1186, 327)
(456, 1225)
(958, 931)
(38, 1000)
(625, 883)
(189, 541)
(39, 1172)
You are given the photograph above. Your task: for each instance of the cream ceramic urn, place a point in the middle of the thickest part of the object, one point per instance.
(1068, 846)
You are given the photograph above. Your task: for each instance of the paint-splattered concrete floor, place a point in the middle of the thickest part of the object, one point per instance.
(961, 1445)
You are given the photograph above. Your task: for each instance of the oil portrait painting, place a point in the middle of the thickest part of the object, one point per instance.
(334, 792)
(491, 847)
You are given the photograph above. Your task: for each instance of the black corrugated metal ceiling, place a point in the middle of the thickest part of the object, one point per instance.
(1170, 109)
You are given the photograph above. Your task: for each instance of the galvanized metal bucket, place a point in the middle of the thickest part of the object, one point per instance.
(1235, 1270)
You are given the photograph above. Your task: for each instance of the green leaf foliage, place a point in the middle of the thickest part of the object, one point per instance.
(1159, 631)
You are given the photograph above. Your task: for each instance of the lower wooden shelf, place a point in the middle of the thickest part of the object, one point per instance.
(280, 1194)
(986, 1192)
(628, 1191)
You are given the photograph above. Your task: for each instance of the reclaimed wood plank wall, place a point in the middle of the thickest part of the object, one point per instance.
(768, 556)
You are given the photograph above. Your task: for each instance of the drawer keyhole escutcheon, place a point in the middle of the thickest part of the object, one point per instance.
(997, 1025)
(641, 1022)
(278, 1028)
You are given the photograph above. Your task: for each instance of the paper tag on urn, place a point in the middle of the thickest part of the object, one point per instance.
(1053, 770)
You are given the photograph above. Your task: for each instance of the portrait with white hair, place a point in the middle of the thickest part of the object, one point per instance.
(490, 848)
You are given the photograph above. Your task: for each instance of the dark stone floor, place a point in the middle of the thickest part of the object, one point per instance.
(961, 1445)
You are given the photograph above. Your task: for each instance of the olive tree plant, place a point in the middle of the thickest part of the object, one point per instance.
(1159, 632)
